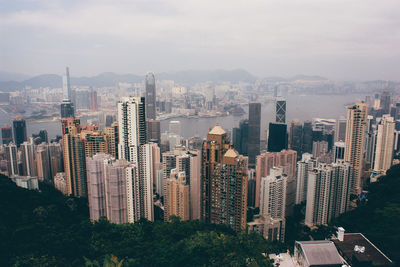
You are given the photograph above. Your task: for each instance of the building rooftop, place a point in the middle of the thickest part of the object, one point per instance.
(231, 153)
(217, 130)
(320, 253)
(366, 252)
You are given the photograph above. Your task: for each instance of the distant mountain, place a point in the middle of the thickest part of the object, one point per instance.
(11, 76)
(296, 78)
(110, 79)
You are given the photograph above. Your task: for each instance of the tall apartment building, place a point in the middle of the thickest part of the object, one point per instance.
(328, 192)
(340, 130)
(6, 135)
(109, 182)
(304, 166)
(176, 201)
(354, 145)
(112, 139)
(56, 158)
(28, 158)
(223, 181)
(43, 163)
(384, 144)
(12, 159)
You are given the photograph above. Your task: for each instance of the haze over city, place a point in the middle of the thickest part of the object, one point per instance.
(342, 40)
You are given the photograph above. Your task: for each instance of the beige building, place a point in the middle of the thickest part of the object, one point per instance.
(355, 130)
(384, 144)
(177, 196)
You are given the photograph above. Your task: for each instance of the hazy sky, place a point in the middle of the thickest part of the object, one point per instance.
(339, 39)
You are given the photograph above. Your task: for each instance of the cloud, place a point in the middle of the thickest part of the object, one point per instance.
(239, 32)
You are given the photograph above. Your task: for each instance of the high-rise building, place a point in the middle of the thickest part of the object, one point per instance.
(370, 140)
(66, 123)
(319, 148)
(296, 137)
(93, 105)
(12, 160)
(107, 188)
(175, 127)
(67, 94)
(384, 144)
(112, 136)
(6, 134)
(338, 151)
(56, 158)
(28, 158)
(153, 131)
(355, 130)
(385, 102)
(67, 109)
(277, 137)
(133, 148)
(304, 166)
(340, 130)
(286, 159)
(150, 85)
(280, 111)
(176, 199)
(59, 182)
(43, 163)
(19, 128)
(224, 181)
(241, 137)
(307, 137)
(254, 132)
(328, 192)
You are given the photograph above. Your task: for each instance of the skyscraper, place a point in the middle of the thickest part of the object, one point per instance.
(112, 136)
(296, 137)
(150, 85)
(304, 166)
(43, 163)
(277, 137)
(12, 160)
(385, 102)
(6, 134)
(28, 158)
(354, 145)
(254, 132)
(67, 109)
(224, 182)
(153, 131)
(328, 192)
(338, 151)
(340, 130)
(280, 111)
(19, 127)
(107, 188)
(133, 148)
(307, 137)
(384, 144)
(67, 94)
(241, 137)
(175, 127)
(176, 200)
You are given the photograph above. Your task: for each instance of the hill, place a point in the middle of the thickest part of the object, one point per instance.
(48, 229)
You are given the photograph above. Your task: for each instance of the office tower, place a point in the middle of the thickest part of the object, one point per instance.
(67, 94)
(254, 132)
(210, 98)
(251, 188)
(285, 159)
(43, 136)
(355, 130)
(176, 200)
(370, 140)
(82, 100)
(28, 158)
(385, 102)
(66, 123)
(397, 111)
(307, 137)
(132, 127)
(43, 163)
(107, 188)
(338, 151)
(56, 159)
(175, 127)
(224, 181)
(328, 192)
(12, 160)
(6, 135)
(19, 128)
(304, 166)
(67, 109)
(384, 144)
(340, 130)
(296, 137)
(280, 111)
(59, 182)
(241, 137)
(277, 137)
(150, 84)
(93, 105)
(111, 133)
(153, 131)
(319, 148)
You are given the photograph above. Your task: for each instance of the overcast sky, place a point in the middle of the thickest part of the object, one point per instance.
(338, 39)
